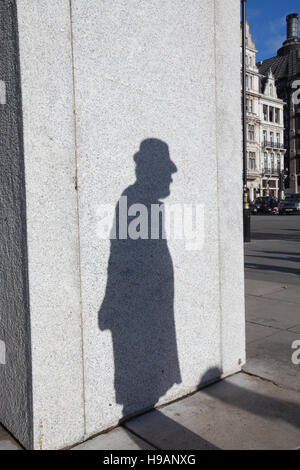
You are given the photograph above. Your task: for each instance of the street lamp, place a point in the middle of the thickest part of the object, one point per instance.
(246, 207)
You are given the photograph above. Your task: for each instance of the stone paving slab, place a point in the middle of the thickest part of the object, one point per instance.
(272, 275)
(271, 359)
(255, 332)
(272, 312)
(242, 412)
(289, 294)
(117, 439)
(257, 287)
(7, 442)
(296, 329)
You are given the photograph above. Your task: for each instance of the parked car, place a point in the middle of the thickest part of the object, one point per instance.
(291, 205)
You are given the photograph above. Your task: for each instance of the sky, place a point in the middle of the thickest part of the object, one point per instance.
(268, 24)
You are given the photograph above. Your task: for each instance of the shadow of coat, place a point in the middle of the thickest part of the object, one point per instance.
(138, 306)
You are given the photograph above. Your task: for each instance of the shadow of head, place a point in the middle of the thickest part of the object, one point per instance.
(154, 168)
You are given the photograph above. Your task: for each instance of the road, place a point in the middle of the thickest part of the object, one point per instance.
(274, 252)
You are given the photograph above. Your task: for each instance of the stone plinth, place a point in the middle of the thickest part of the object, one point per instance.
(107, 99)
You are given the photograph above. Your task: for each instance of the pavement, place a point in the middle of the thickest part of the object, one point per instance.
(258, 408)
(272, 271)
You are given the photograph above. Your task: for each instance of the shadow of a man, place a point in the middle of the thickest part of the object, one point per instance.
(138, 303)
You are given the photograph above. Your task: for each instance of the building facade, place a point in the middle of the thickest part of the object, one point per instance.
(272, 149)
(285, 68)
(265, 129)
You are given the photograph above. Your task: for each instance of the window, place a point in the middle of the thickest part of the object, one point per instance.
(251, 132)
(252, 161)
(271, 89)
(278, 162)
(249, 106)
(277, 115)
(265, 160)
(272, 162)
(272, 138)
(265, 137)
(265, 112)
(278, 139)
(271, 114)
(249, 81)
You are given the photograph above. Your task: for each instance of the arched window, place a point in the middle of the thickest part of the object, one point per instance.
(271, 89)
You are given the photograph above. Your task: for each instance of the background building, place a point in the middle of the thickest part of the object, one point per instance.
(271, 138)
(265, 149)
(285, 67)
(253, 117)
